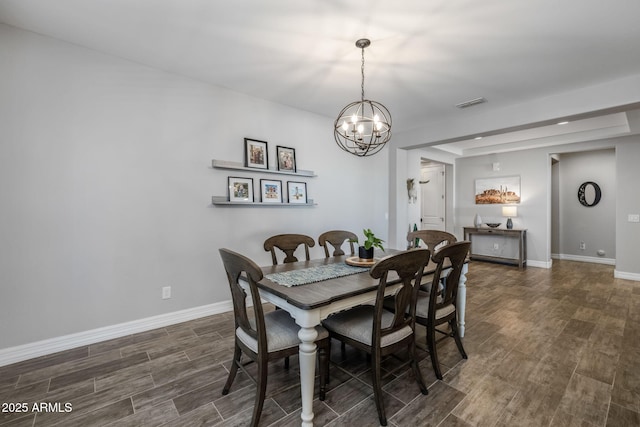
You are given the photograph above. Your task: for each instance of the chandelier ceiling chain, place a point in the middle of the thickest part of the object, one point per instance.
(362, 73)
(363, 127)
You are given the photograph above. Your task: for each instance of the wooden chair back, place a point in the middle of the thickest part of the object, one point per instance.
(288, 243)
(408, 266)
(439, 298)
(235, 265)
(336, 238)
(432, 238)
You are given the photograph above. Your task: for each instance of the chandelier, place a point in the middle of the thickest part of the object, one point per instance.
(363, 127)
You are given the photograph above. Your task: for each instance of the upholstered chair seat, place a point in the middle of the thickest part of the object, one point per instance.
(422, 307)
(281, 331)
(357, 325)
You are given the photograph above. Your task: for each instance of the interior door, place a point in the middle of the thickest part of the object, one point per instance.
(432, 196)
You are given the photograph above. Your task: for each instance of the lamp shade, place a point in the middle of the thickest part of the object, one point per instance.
(510, 211)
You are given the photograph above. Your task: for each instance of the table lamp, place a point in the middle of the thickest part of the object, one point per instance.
(510, 212)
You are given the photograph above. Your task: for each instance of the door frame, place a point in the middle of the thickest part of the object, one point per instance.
(449, 195)
(439, 221)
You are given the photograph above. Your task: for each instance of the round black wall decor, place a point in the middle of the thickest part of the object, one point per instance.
(589, 194)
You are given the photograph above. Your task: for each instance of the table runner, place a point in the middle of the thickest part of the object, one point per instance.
(314, 274)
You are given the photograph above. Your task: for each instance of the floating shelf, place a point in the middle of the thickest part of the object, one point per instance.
(222, 201)
(224, 164)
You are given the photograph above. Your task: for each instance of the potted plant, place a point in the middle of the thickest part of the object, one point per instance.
(365, 251)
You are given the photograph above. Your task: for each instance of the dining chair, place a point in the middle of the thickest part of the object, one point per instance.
(434, 239)
(263, 337)
(439, 305)
(336, 238)
(380, 332)
(288, 243)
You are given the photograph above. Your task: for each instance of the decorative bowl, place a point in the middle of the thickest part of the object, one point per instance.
(492, 224)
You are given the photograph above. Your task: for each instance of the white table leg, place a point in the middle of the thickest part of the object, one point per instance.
(307, 372)
(462, 298)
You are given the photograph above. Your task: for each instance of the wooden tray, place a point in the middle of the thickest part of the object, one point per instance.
(360, 262)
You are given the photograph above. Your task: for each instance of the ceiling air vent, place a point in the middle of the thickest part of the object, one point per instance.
(471, 103)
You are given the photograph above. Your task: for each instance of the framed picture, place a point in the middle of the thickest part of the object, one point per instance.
(297, 192)
(271, 191)
(499, 190)
(255, 154)
(286, 158)
(240, 189)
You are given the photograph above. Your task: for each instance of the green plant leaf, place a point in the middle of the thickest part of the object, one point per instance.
(371, 240)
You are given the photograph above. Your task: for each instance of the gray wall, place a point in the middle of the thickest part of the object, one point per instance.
(106, 184)
(596, 225)
(534, 212)
(627, 202)
(533, 169)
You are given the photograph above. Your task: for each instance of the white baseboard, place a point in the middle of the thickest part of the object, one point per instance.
(580, 258)
(539, 264)
(67, 342)
(624, 275)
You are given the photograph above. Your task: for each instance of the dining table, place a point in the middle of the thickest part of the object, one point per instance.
(310, 291)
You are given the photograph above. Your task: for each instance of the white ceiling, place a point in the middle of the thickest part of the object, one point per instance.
(425, 57)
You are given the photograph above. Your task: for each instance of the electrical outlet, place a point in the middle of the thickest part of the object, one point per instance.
(583, 246)
(166, 292)
(633, 218)
(496, 246)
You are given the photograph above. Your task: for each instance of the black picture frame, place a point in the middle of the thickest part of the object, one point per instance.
(256, 154)
(297, 192)
(270, 191)
(286, 158)
(240, 189)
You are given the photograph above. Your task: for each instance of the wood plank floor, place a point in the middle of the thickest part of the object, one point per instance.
(558, 347)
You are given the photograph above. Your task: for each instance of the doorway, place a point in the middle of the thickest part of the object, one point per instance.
(581, 231)
(433, 196)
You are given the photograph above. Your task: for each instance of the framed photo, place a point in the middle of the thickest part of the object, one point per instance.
(286, 158)
(501, 190)
(255, 154)
(240, 189)
(297, 192)
(271, 191)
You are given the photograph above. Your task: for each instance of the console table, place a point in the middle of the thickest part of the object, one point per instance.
(521, 235)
